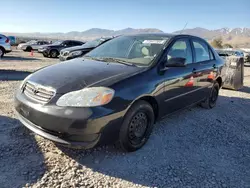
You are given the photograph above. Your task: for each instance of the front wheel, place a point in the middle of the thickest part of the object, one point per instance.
(210, 102)
(137, 126)
(29, 49)
(54, 53)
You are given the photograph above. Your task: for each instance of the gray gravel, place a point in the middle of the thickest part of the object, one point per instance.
(192, 148)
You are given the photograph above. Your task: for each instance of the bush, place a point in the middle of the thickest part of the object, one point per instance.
(217, 43)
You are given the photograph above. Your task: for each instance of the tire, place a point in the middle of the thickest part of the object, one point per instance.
(210, 101)
(45, 55)
(53, 53)
(1, 52)
(28, 49)
(137, 126)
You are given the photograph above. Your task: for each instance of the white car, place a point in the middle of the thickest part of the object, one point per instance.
(32, 45)
(19, 47)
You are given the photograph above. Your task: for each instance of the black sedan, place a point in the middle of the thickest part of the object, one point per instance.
(119, 90)
(78, 51)
(53, 50)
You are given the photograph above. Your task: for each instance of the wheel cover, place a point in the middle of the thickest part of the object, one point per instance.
(53, 54)
(214, 96)
(137, 128)
(1, 52)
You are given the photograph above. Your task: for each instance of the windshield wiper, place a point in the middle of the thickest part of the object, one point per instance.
(93, 58)
(111, 59)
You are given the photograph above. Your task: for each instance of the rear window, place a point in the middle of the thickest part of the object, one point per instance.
(202, 52)
(3, 37)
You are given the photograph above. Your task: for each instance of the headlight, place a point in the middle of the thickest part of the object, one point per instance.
(93, 96)
(76, 53)
(23, 82)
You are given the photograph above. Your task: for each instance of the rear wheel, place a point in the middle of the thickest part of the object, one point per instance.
(137, 126)
(29, 49)
(210, 102)
(1, 52)
(54, 53)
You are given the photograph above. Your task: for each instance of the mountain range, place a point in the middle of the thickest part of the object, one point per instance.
(238, 37)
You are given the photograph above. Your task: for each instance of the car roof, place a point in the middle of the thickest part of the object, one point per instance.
(3, 35)
(72, 40)
(170, 35)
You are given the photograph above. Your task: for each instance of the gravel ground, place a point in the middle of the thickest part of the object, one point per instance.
(192, 148)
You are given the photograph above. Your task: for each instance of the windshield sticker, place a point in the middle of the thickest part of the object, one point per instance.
(154, 41)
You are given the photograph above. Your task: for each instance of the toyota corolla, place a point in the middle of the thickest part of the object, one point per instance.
(117, 92)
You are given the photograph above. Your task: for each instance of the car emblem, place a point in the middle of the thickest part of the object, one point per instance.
(35, 90)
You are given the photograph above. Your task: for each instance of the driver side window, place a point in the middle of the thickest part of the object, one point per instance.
(181, 49)
(66, 43)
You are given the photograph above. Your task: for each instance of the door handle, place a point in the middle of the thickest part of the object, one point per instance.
(194, 70)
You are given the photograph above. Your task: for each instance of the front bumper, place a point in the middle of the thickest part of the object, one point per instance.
(54, 137)
(65, 58)
(74, 127)
(41, 50)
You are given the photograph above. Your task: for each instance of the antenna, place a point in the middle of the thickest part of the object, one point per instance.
(184, 28)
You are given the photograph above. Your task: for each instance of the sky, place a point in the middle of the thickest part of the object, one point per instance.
(79, 15)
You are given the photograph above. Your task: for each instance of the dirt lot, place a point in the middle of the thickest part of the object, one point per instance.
(192, 148)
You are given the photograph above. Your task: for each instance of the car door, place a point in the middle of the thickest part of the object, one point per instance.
(205, 67)
(180, 83)
(37, 45)
(34, 45)
(65, 44)
(73, 43)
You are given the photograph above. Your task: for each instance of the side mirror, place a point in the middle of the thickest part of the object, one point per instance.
(176, 62)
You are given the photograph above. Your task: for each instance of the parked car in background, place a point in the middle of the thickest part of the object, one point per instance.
(119, 90)
(5, 46)
(53, 50)
(247, 58)
(238, 53)
(78, 51)
(28, 47)
(22, 43)
(12, 40)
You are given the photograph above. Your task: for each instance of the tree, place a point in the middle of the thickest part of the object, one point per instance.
(227, 46)
(217, 43)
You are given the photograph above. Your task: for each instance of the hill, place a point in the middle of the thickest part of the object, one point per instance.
(238, 37)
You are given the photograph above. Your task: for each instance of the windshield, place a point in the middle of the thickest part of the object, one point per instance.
(93, 43)
(32, 42)
(140, 50)
(57, 42)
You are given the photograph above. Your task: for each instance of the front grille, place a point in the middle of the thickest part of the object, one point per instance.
(38, 93)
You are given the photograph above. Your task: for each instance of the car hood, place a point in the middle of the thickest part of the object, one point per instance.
(79, 73)
(75, 48)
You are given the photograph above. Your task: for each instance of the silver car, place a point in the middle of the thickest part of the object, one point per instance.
(33, 45)
(19, 47)
(5, 46)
